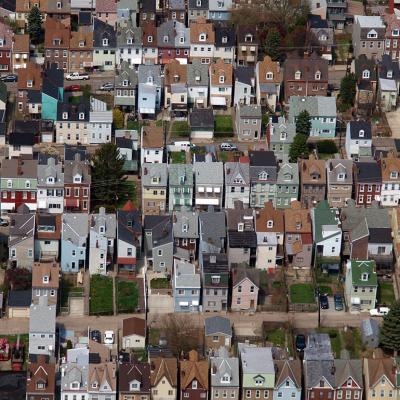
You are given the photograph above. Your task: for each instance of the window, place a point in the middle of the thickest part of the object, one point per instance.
(317, 75)
(194, 384)
(366, 74)
(248, 394)
(372, 35)
(339, 394)
(297, 75)
(105, 42)
(221, 79)
(266, 394)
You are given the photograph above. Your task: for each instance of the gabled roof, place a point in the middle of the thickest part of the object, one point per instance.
(161, 228)
(345, 369)
(326, 222)
(297, 219)
(192, 369)
(134, 326)
(160, 368)
(288, 173)
(224, 36)
(129, 31)
(269, 213)
(201, 118)
(150, 71)
(339, 166)
(218, 69)
(245, 75)
(49, 269)
(241, 273)
(217, 324)
(20, 298)
(57, 35)
(223, 365)
(197, 74)
(102, 30)
(312, 168)
(363, 268)
(256, 360)
(360, 126)
(288, 369)
(363, 63)
(211, 173)
(378, 368)
(201, 26)
(41, 371)
(241, 33)
(42, 318)
(235, 171)
(307, 66)
(316, 106)
(368, 172)
(75, 228)
(186, 223)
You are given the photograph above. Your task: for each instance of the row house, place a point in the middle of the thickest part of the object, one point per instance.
(175, 89)
(45, 281)
(186, 231)
(100, 122)
(52, 92)
(104, 46)
(358, 140)
(225, 44)
(248, 122)
(392, 36)
(270, 231)
(244, 78)
(6, 47)
(29, 88)
(339, 175)
(367, 182)
(41, 378)
(280, 136)
(268, 83)
(287, 185)
(163, 378)
(175, 10)
(366, 89)
(390, 192)
(149, 89)
(221, 80)
(47, 237)
(202, 41)
(196, 9)
(194, 381)
(180, 186)
(154, 188)
(56, 43)
(389, 83)
(197, 83)
(125, 87)
(81, 49)
(237, 183)
(20, 52)
(381, 377)
(134, 380)
(152, 144)
(173, 40)
(209, 184)
(245, 288)
(313, 181)
(218, 334)
(106, 11)
(212, 233)
(247, 45)
(129, 45)
(368, 36)
(219, 10)
(147, 12)
(149, 38)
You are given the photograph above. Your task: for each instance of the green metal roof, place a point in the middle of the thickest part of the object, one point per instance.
(324, 215)
(358, 268)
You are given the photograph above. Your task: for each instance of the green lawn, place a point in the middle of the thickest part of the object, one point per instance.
(336, 340)
(302, 293)
(159, 123)
(386, 293)
(160, 283)
(134, 125)
(101, 295)
(180, 128)
(178, 157)
(223, 126)
(127, 296)
(277, 337)
(326, 289)
(154, 336)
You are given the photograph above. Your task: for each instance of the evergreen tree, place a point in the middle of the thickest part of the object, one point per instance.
(347, 92)
(390, 332)
(118, 118)
(273, 44)
(303, 123)
(35, 24)
(109, 184)
(298, 148)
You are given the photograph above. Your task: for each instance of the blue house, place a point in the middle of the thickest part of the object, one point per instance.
(74, 235)
(186, 287)
(52, 92)
(149, 98)
(322, 111)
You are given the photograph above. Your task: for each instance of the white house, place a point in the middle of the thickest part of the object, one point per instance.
(358, 140)
(197, 84)
(390, 192)
(152, 145)
(103, 231)
(100, 122)
(129, 44)
(133, 333)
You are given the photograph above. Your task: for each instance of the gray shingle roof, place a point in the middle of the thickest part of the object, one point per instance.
(357, 126)
(51, 169)
(212, 227)
(286, 171)
(224, 365)
(42, 318)
(150, 171)
(147, 71)
(211, 173)
(281, 126)
(201, 118)
(74, 373)
(251, 111)
(161, 228)
(102, 30)
(109, 221)
(186, 276)
(75, 228)
(233, 170)
(339, 166)
(129, 31)
(317, 106)
(199, 70)
(176, 171)
(217, 324)
(256, 360)
(244, 74)
(174, 31)
(191, 221)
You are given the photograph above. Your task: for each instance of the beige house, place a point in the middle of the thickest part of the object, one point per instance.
(380, 378)
(154, 188)
(133, 333)
(339, 176)
(163, 378)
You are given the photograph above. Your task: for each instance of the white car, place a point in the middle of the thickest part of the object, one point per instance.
(76, 76)
(108, 337)
(379, 312)
(228, 147)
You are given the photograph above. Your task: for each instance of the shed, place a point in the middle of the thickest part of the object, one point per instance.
(133, 333)
(19, 302)
(370, 333)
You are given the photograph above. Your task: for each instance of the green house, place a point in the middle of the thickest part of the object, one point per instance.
(52, 92)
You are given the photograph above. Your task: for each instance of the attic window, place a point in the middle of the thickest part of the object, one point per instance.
(129, 41)
(59, 5)
(185, 227)
(317, 75)
(270, 223)
(366, 74)
(149, 79)
(50, 179)
(65, 115)
(75, 385)
(77, 179)
(269, 75)
(395, 32)
(102, 229)
(389, 74)
(221, 79)
(240, 227)
(1, 42)
(198, 3)
(45, 279)
(297, 75)
(81, 43)
(361, 133)
(394, 175)
(194, 384)
(29, 83)
(56, 42)
(341, 177)
(27, 184)
(372, 35)
(197, 78)
(216, 279)
(182, 39)
(95, 385)
(165, 39)
(81, 115)
(125, 82)
(364, 276)
(248, 37)
(105, 42)
(40, 385)
(134, 386)
(225, 378)
(263, 176)
(202, 37)
(150, 39)
(298, 225)
(224, 39)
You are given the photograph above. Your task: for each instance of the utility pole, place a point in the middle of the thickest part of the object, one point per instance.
(319, 307)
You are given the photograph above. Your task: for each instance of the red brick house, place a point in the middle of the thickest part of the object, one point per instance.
(367, 182)
(6, 39)
(56, 43)
(392, 36)
(77, 185)
(194, 377)
(41, 382)
(173, 41)
(30, 82)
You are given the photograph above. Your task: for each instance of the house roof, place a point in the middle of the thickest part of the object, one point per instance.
(261, 158)
(317, 370)
(21, 43)
(186, 223)
(219, 69)
(389, 165)
(368, 172)
(150, 71)
(41, 371)
(42, 318)
(363, 63)
(150, 171)
(197, 75)
(283, 131)
(22, 225)
(316, 106)
(201, 118)
(129, 226)
(201, 26)
(380, 235)
(241, 272)
(326, 222)
(149, 29)
(161, 367)
(217, 324)
(389, 69)
(102, 30)
(57, 35)
(242, 31)
(215, 263)
(33, 74)
(307, 66)
(75, 228)
(377, 368)
(193, 368)
(161, 227)
(318, 347)
(172, 33)
(84, 36)
(288, 173)
(359, 268)
(105, 373)
(106, 6)
(73, 111)
(235, 171)
(265, 66)
(211, 173)
(357, 126)
(288, 369)
(297, 219)
(212, 226)
(21, 139)
(339, 166)
(53, 81)
(175, 73)
(369, 21)
(256, 360)
(249, 111)
(74, 372)
(224, 36)
(345, 369)
(223, 365)
(185, 275)
(44, 221)
(129, 31)
(134, 326)
(77, 166)
(269, 213)
(19, 298)
(178, 171)
(43, 269)
(198, 5)
(19, 168)
(312, 171)
(245, 75)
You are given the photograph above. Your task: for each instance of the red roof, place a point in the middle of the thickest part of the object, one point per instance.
(126, 260)
(128, 206)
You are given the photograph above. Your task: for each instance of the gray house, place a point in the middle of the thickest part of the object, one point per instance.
(287, 185)
(186, 287)
(197, 83)
(158, 243)
(196, 9)
(225, 375)
(237, 183)
(180, 186)
(263, 176)
(201, 121)
(125, 87)
(219, 10)
(186, 230)
(129, 44)
(248, 122)
(150, 89)
(212, 232)
(21, 238)
(368, 36)
(127, 142)
(209, 181)
(42, 328)
(215, 278)
(242, 238)
(281, 134)
(245, 85)
(217, 333)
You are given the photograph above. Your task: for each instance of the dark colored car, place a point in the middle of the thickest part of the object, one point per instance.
(323, 301)
(338, 299)
(10, 78)
(95, 336)
(300, 342)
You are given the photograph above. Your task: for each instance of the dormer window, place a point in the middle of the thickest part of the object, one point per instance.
(150, 39)
(102, 229)
(105, 42)
(323, 37)
(182, 39)
(74, 385)
(125, 82)
(29, 83)
(134, 385)
(225, 378)
(263, 176)
(215, 279)
(298, 225)
(297, 75)
(65, 115)
(129, 40)
(240, 227)
(270, 223)
(283, 135)
(221, 79)
(50, 179)
(372, 35)
(395, 32)
(81, 115)
(389, 74)
(81, 43)
(394, 175)
(361, 133)
(224, 39)
(364, 276)
(77, 179)
(46, 279)
(366, 74)
(59, 5)
(95, 385)
(202, 37)
(9, 184)
(317, 75)
(27, 184)
(341, 177)
(154, 180)
(165, 39)
(1, 42)
(57, 42)
(194, 384)
(198, 3)
(248, 37)
(40, 385)
(149, 79)
(269, 75)
(185, 228)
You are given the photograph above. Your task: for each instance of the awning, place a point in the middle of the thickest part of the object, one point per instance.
(195, 303)
(206, 202)
(355, 300)
(184, 303)
(71, 202)
(218, 101)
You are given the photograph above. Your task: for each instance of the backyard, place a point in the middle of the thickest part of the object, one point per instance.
(302, 293)
(68, 289)
(127, 296)
(160, 283)
(180, 129)
(101, 295)
(349, 339)
(385, 293)
(178, 157)
(223, 126)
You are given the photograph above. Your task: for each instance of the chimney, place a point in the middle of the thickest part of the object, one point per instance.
(391, 7)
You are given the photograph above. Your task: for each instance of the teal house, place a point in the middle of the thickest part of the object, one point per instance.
(52, 92)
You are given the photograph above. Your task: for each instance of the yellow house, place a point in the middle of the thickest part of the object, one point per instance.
(380, 379)
(163, 378)
(154, 188)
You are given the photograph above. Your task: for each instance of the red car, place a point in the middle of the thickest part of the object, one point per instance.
(72, 88)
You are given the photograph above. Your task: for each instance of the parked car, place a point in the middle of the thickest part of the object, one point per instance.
(3, 222)
(76, 76)
(379, 312)
(228, 147)
(338, 299)
(10, 78)
(323, 301)
(107, 87)
(72, 88)
(300, 342)
(108, 337)
(95, 335)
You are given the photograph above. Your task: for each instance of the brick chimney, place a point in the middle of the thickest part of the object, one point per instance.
(391, 6)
